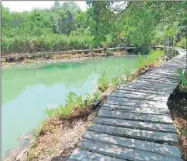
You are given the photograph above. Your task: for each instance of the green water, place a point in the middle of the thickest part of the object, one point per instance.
(28, 89)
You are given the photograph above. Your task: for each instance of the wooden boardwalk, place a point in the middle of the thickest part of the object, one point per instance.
(135, 124)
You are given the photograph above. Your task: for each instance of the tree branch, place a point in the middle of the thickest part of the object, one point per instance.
(124, 9)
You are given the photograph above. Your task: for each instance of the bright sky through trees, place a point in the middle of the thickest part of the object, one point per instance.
(20, 6)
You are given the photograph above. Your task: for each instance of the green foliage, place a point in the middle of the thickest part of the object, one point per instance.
(39, 131)
(108, 52)
(116, 81)
(139, 35)
(182, 78)
(96, 95)
(152, 58)
(182, 43)
(101, 22)
(184, 132)
(65, 27)
(141, 61)
(72, 102)
(52, 42)
(103, 82)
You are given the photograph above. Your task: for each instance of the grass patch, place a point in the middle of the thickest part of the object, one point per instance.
(103, 83)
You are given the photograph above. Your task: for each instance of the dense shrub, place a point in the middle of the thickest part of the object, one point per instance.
(52, 42)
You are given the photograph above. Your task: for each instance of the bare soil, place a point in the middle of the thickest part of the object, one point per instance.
(178, 107)
(60, 138)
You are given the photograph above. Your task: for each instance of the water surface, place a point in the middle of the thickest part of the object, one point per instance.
(28, 89)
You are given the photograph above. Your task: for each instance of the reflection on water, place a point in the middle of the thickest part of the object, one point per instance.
(28, 89)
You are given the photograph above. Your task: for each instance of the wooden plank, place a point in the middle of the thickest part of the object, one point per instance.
(133, 143)
(115, 98)
(136, 124)
(174, 78)
(136, 116)
(164, 73)
(153, 136)
(121, 96)
(84, 155)
(170, 65)
(149, 84)
(137, 92)
(137, 103)
(162, 88)
(167, 90)
(136, 109)
(134, 90)
(152, 84)
(167, 71)
(159, 77)
(157, 80)
(124, 153)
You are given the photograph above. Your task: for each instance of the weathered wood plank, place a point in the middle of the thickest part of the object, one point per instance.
(137, 103)
(122, 97)
(133, 143)
(171, 65)
(134, 90)
(157, 110)
(167, 71)
(137, 92)
(136, 116)
(157, 80)
(83, 155)
(148, 88)
(145, 89)
(159, 76)
(152, 136)
(135, 124)
(147, 96)
(164, 73)
(124, 153)
(152, 84)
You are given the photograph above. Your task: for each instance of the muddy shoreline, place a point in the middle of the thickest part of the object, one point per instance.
(30, 58)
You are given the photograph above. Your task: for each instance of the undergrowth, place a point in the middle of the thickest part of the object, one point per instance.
(74, 105)
(182, 75)
(151, 60)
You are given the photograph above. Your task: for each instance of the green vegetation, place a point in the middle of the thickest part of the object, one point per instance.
(103, 83)
(182, 79)
(151, 60)
(73, 103)
(66, 27)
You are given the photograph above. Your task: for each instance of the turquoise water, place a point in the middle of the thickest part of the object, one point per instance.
(28, 89)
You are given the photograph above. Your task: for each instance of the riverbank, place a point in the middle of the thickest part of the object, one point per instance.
(51, 56)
